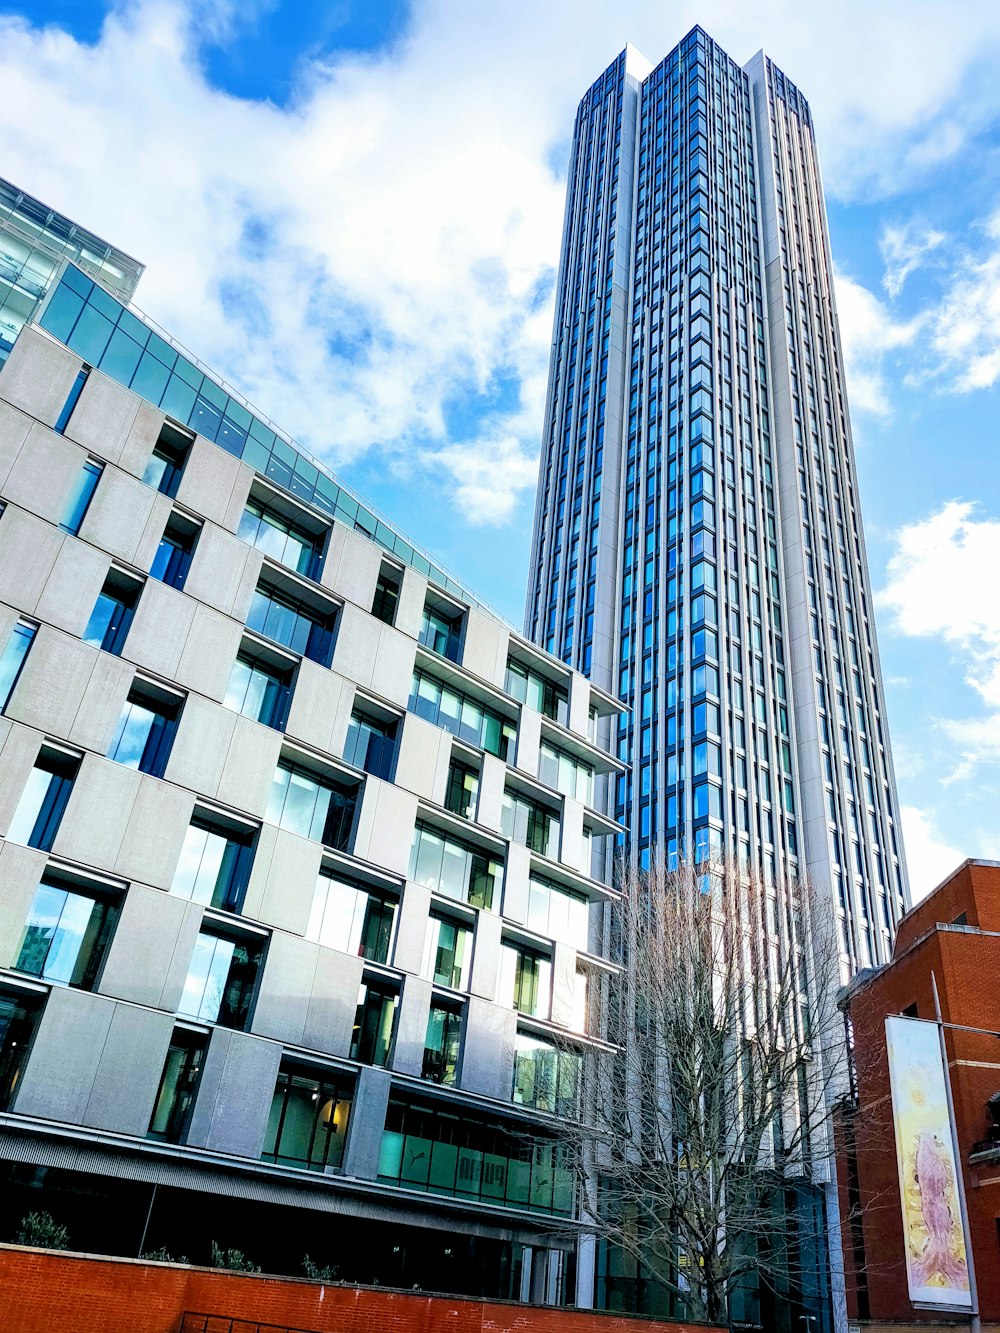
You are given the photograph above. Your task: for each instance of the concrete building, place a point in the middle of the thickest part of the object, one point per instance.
(698, 548)
(298, 848)
(951, 939)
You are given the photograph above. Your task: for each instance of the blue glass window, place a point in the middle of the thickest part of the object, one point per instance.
(111, 617)
(43, 801)
(67, 932)
(259, 690)
(173, 555)
(215, 862)
(146, 730)
(72, 400)
(291, 622)
(83, 493)
(12, 659)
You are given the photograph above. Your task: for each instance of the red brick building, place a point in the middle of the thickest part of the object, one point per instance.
(954, 937)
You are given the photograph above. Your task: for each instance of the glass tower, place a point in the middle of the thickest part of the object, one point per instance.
(697, 546)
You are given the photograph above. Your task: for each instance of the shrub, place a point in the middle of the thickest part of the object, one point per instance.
(41, 1230)
(326, 1273)
(235, 1260)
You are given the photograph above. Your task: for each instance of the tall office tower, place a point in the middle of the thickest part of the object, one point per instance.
(697, 547)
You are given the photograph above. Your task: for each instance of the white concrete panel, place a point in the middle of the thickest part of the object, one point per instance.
(100, 805)
(411, 1026)
(29, 548)
(100, 709)
(333, 1002)
(285, 987)
(488, 1049)
(492, 780)
(352, 566)
(127, 1077)
(385, 826)
(73, 585)
(155, 833)
(201, 747)
(573, 850)
(249, 768)
(14, 427)
(217, 571)
(20, 870)
(234, 1099)
(411, 928)
(209, 652)
(65, 1053)
(52, 682)
(410, 609)
(357, 645)
(484, 647)
(120, 513)
(529, 737)
(141, 440)
(103, 417)
(160, 628)
(563, 983)
(316, 700)
(486, 955)
(418, 759)
(515, 883)
(392, 669)
(151, 949)
(210, 477)
(18, 752)
(283, 882)
(38, 376)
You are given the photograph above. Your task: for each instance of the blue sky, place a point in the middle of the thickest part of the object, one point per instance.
(353, 211)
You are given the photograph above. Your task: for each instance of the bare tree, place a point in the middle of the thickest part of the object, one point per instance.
(713, 1098)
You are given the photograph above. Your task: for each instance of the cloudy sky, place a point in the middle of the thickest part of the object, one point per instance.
(353, 211)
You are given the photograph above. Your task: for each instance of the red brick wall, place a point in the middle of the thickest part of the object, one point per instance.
(45, 1292)
(967, 968)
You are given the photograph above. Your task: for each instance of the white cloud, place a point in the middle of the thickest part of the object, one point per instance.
(870, 333)
(383, 247)
(942, 584)
(929, 858)
(966, 327)
(904, 249)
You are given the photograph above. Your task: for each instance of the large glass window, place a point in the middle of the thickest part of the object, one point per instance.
(289, 621)
(18, 1017)
(264, 527)
(68, 929)
(543, 695)
(446, 1151)
(222, 979)
(175, 551)
(462, 793)
(530, 823)
(310, 1110)
(146, 729)
(525, 980)
(573, 777)
(81, 496)
(171, 1118)
(447, 952)
(443, 1042)
(441, 632)
(166, 464)
(371, 744)
(558, 912)
(386, 598)
(454, 868)
(215, 862)
(260, 690)
(113, 611)
(312, 806)
(40, 809)
(353, 918)
(374, 1024)
(546, 1077)
(12, 659)
(462, 715)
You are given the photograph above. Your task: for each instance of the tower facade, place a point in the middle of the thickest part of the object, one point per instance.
(698, 548)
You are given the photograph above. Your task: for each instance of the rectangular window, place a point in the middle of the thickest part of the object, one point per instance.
(259, 689)
(447, 952)
(19, 1013)
(307, 1126)
(371, 744)
(12, 659)
(113, 611)
(72, 399)
(546, 1078)
(166, 464)
(530, 823)
(222, 980)
(386, 598)
(40, 809)
(374, 1025)
(215, 861)
(462, 792)
(68, 930)
(174, 553)
(352, 918)
(312, 806)
(558, 912)
(525, 980)
(442, 1043)
(454, 868)
(174, 1106)
(441, 632)
(573, 777)
(280, 538)
(146, 729)
(291, 622)
(462, 715)
(543, 695)
(83, 493)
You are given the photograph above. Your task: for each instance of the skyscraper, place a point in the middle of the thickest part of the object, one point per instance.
(698, 548)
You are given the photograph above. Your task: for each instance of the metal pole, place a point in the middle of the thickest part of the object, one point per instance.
(149, 1214)
(974, 1322)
